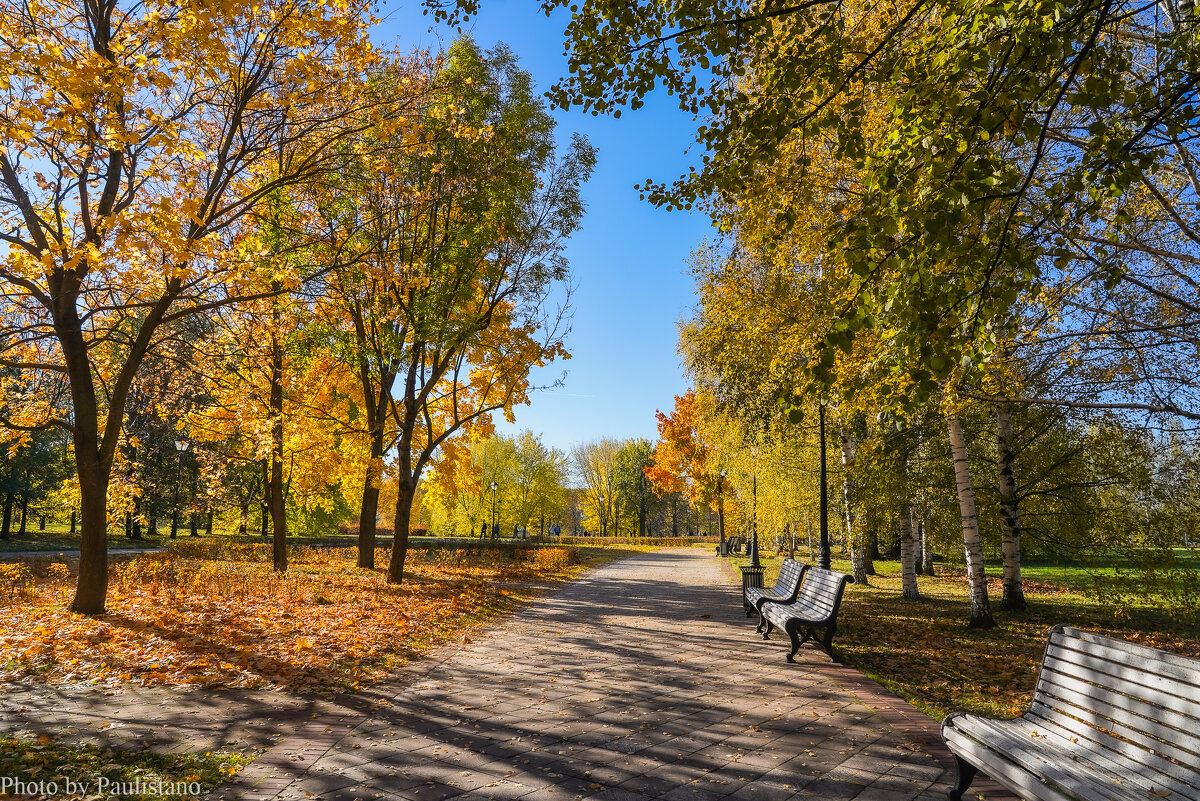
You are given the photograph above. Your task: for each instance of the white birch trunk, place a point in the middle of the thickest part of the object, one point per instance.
(981, 612)
(1010, 523)
(926, 549)
(908, 544)
(854, 540)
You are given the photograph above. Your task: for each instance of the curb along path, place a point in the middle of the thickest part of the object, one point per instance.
(642, 680)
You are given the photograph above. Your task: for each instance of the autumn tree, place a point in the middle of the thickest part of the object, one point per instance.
(365, 231)
(594, 464)
(632, 488)
(136, 140)
(455, 484)
(683, 462)
(482, 260)
(538, 479)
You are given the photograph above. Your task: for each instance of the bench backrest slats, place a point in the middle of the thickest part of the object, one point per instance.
(1139, 665)
(1158, 770)
(1149, 703)
(1160, 662)
(1139, 680)
(1133, 698)
(790, 574)
(821, 593)
(1136, 729)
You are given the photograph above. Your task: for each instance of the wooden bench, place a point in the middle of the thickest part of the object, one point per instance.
(787, 586)
(1110, 721)
(816, 607)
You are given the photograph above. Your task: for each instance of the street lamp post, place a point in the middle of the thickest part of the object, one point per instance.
(823, 556)
(721, 512)
(181, 445)
(495, 520)
(754, 562)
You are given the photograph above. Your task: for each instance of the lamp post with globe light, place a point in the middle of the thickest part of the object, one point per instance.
(494, 487)
(181, 445)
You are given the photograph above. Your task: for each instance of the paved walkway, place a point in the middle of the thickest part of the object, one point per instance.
(642, 680)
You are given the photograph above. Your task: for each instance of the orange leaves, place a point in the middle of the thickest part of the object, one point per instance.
(555, 558)
(681, 456)
(220, 617)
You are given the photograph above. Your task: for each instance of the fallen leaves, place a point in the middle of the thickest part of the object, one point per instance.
(925, 652)
(224, 618)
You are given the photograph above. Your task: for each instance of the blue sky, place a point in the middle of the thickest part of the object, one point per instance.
(630, 259)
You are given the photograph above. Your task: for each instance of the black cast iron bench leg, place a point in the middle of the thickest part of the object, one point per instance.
(966, 774)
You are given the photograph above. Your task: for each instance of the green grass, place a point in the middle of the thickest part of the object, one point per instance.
(89, 768)
(53, 539)
(924, 651)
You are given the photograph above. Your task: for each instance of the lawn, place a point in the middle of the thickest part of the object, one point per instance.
(213, 613)
(924, 651)
(59, 538)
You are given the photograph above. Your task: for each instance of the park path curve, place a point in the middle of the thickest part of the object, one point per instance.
(641, 680)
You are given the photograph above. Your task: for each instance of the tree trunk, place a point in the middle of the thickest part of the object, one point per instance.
(137, 518)
(24, 506)
(368, 511)
(244, 517)
(721, 517)
(41, 522)
(825, 557)
(926, 548)
(6, 521)
(377, 397)
(855, 541)
(908, 555)
(151, 524)
(208, 524)
(919, 538)
(405, 492)
(265, 504)
(368, 515)
(91, 590)
(74, 522)
(129, 525)
(981, 611)
(1010, 524)
(279, 551)
(908, 541)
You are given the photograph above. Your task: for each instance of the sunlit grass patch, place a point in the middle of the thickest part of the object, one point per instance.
(44, 768)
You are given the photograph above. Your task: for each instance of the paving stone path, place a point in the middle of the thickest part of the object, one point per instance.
(642, 680)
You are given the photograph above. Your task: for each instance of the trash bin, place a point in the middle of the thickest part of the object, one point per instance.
(751, 577)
